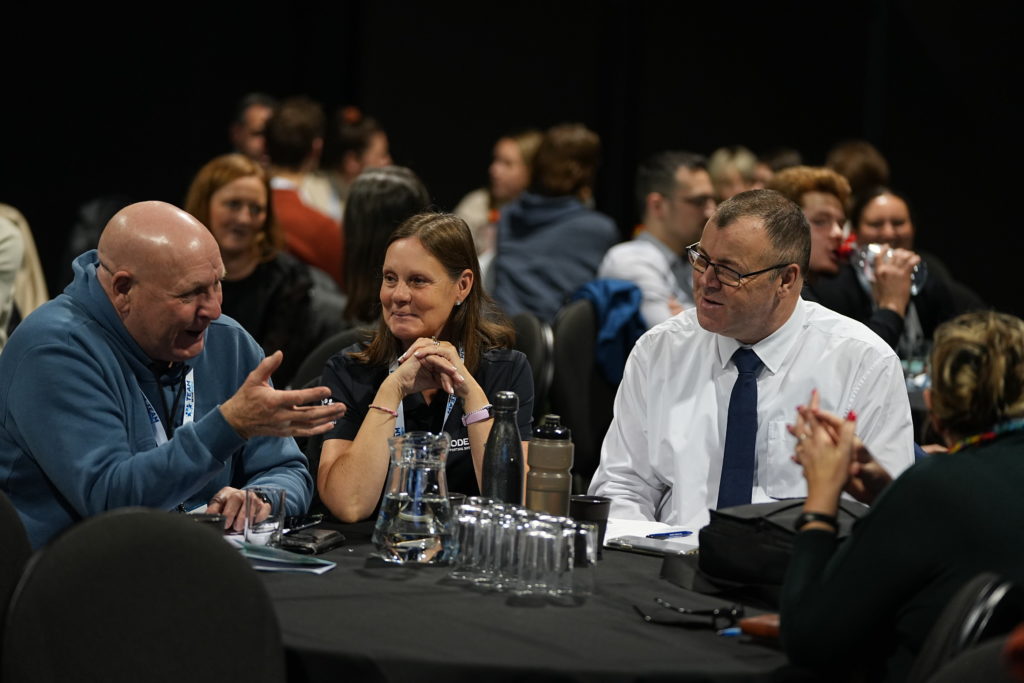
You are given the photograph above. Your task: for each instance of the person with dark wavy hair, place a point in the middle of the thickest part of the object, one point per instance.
(378, 202)
(867, 605)
(439, 355)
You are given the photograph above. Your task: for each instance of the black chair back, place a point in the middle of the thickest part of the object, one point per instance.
(536, 340)
(14, 553)
(986, 606)
(579, 392)
(141, 595)
(313, 365)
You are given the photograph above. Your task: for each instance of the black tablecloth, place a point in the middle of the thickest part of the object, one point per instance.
(363, 621)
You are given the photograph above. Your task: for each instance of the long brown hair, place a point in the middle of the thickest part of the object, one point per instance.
(219, 172)
(477, 325)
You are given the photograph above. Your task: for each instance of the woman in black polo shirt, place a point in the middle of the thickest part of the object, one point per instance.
(439, 354)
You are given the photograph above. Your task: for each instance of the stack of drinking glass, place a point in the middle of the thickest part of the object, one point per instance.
(508, 548)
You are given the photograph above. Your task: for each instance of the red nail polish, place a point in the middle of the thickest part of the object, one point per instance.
(851, 416)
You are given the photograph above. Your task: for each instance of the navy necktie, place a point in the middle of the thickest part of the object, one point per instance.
(740, 433)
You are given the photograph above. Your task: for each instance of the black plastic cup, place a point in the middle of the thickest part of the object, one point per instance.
(592, 509)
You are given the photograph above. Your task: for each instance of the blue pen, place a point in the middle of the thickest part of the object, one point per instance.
(670, 534)
(731, 631)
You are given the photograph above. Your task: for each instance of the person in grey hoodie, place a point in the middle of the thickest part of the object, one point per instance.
(130, 388)
(549, 241)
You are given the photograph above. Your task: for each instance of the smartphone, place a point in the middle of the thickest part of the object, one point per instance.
(297, 522)
(312, 541)
(648, 546)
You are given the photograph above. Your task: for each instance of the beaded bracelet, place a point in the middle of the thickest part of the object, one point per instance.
(392, 413)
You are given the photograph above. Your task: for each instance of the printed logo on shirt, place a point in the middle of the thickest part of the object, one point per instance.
(459, 444)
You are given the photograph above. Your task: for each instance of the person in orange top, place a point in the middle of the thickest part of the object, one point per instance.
(295, 135)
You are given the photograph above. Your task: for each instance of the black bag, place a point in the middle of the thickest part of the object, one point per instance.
(744, 550)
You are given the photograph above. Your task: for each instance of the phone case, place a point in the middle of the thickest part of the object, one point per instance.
(312, 541)
(646, 546)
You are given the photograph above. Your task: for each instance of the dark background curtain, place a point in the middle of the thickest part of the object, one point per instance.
(133, 101)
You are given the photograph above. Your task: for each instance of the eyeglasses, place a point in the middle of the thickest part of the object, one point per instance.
(721, 617)
(725, 274)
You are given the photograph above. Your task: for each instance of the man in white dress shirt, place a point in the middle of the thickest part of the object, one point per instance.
(662, 457)
(676, 199)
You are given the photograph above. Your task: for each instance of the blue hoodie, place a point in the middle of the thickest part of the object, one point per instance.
(75, 433)
(547, 248)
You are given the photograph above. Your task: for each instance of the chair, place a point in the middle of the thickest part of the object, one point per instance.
(984, 607)
(15, 550)
(579, 392)
(536, 340)
(138, 594)
(313, 365)
(986, 662)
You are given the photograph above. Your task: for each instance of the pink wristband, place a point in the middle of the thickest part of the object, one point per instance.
(392, 413)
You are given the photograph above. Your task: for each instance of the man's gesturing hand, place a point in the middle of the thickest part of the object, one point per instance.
(257, 409)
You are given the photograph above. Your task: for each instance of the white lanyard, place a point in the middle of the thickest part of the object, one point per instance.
(189, 411)
(400, 420)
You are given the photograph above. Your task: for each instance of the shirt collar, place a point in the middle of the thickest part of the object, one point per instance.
(773, 349)
(664, 248)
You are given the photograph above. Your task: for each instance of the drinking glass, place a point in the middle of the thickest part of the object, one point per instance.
(264, 515)
(865, 257)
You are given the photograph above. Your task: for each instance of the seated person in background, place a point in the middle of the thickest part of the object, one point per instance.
(676, 199)
(12, 248)
(510, 176)
(860, 163)
(824, 195)
(883, 217)
(354, 143)
(773, 161)
(379, 201)
(248, 129)
(267, 291)
(867, 605)
(440, 354)
(733, 170)
(30, 289)
(295, 133)
(129, 389)
(699, 418)
(549, 242)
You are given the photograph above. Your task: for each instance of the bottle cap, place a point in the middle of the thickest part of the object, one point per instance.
(506, 400)
(551, 427)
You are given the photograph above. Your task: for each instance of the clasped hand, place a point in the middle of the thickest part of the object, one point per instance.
(257, 409)
(833, 457)
(431, 364)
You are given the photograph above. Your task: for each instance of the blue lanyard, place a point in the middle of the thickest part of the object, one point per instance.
(400, 420)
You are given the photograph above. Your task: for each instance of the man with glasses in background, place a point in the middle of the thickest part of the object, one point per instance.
(676, 199)
(701, 414)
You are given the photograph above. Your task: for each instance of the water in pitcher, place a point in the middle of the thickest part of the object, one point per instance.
(410, 530)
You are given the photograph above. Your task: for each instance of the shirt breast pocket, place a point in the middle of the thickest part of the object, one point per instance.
(784, 478)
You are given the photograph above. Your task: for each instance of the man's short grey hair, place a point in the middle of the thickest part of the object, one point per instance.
(784, 221)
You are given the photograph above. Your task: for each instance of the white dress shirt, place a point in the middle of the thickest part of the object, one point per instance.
(658, 271)
(662, 456)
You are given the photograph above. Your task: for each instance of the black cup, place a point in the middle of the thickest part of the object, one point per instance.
(592, 509)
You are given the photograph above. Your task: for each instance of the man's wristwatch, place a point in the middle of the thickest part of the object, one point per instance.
(477, 416)
(807, 517)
